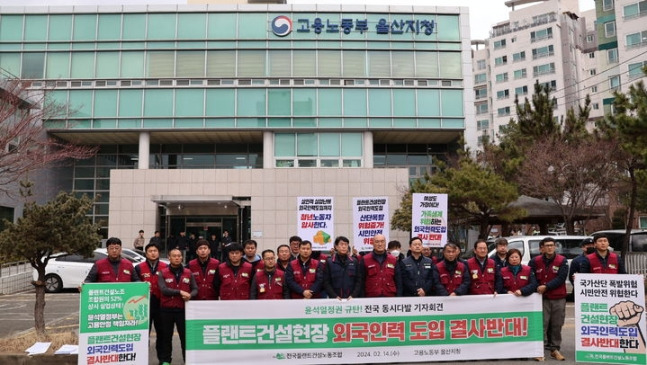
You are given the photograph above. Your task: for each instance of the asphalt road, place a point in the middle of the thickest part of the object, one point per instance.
(62, 312)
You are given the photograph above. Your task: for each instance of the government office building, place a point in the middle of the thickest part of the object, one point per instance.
(219, 116)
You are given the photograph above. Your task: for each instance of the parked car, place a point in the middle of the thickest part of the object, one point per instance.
(637, 242)
(67, 271)
(568, 246)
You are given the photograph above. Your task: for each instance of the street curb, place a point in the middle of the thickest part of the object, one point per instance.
(19, 359)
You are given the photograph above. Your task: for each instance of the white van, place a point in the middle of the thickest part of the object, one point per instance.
(568, 246)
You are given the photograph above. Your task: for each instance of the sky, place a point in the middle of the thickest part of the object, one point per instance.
(483, 13)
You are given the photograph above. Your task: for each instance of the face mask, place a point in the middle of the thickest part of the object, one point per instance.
(395, 253)
(590, 250)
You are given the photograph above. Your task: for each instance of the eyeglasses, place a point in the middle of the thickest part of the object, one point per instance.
(269, 259)
(549, 245)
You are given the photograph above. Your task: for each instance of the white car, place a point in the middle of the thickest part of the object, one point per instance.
(67, 271)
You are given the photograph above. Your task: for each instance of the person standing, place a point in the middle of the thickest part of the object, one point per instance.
(205, 272)
(342, 278)
(269, 283)
(149, 271)
(114, 268)
(551, 271)
(283, 252)
(602, 260)
(234, 275)
(516, 279)
(250, 247)
(156, 239)
(215, 247)
(484, 274)
(417, 271)
(182, 243)
(304, 275)
(225, 240)
(576, 264)
(500, 257)
(380, 271)
(451, 275)
(295, 242)
(177, 287)
(139, 242)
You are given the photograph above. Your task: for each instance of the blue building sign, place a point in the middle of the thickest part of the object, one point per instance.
(282, 26)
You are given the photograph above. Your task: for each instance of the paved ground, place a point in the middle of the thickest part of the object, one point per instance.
(61, 312)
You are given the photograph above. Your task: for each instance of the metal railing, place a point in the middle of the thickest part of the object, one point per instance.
(14, 268)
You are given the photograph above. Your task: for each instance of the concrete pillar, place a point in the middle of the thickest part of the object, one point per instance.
(367, 155)
(268, 150)
(144, 150)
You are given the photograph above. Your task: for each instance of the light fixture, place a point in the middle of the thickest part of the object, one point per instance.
(179, 207)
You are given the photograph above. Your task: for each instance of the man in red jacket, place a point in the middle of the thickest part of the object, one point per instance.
(483, 271)
(114, 268)
(304, 275)
(380, 271)
(234, 275)
(551, 271)
(269, 283)
(148, 271)
(602, 260)
(205, 271)
(177, 287)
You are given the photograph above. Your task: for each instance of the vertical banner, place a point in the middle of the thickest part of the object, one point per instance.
(316, 221)
(610, 319)
(363, 330)
(429, 219)
(113, 323)
(370, 217)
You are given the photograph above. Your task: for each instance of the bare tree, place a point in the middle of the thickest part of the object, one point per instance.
(24, 143)
(575, 176)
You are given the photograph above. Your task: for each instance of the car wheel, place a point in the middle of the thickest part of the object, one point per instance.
(53, 284)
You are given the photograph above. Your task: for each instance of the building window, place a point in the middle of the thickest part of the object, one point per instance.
(543, 52)
(548, 68)
(594, 89)
(520, 74)
(637, 39)
(541, 34)
(502, 77)
(481, 108)
(636, 69)
(635, 10)
(592, 72)
(522, 90)
(614, 82)
(592, 55)
(480, 65)
(482, 124)
(318, 149)
(590, 38)
(607, 5)
(610, 29)
(480, 78)
(480, 93)
(7, 213)
(499, 61)
(596, 106)
(499, 44)
(502, 112)
(503, 94)
(642, 222)
(519, 56)
(551, 85)
(612, 55)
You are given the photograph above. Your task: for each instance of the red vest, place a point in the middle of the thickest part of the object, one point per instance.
(260, 266)
(235, 287)
(546, 274)
(513, 283)
(451, 281)
(380, 279)
(204, 280)
(266, 289)
(482, 281)
(150, 277)
(175, 301)
(304, 280)
(105, 274)
(598, 268)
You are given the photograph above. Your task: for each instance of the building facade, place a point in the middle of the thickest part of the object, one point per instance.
(542, 42)
(213, 117)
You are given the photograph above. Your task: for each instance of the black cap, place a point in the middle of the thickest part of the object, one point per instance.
(586, 241)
